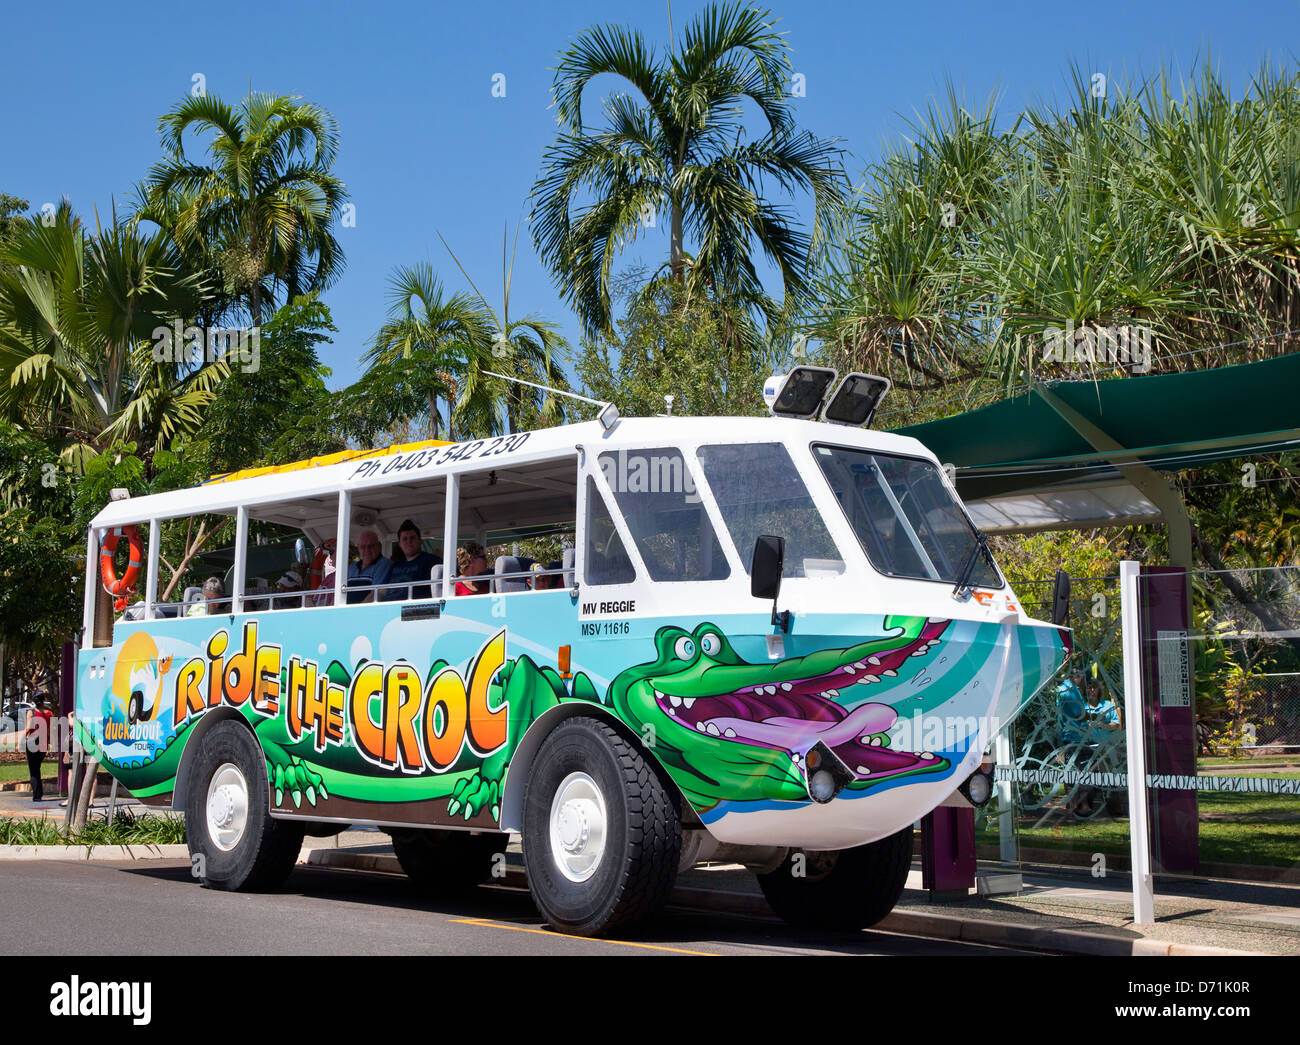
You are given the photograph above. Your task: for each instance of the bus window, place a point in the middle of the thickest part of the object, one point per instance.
(516, 517)
(758, 491)
(190, 556)
(656, 492)
(606, 559)
(122, 577)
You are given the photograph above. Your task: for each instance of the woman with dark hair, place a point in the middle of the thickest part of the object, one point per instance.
(37, 742)
(471, 562)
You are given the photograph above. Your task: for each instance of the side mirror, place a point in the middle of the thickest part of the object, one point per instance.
(1061, 598)
(765, 567)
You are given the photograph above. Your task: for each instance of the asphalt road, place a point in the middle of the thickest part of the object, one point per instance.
(155, 908)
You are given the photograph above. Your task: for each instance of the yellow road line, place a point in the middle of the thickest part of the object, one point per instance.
(489, 923)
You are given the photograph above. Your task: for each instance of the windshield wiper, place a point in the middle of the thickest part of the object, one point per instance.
(972, 557)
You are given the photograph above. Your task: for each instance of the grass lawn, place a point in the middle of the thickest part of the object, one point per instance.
(13, 771)
(18, 770)
(1253, 835)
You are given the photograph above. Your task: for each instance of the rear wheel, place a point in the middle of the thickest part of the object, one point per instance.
(602, 831)
(848, 889)
(447, 862)
(234, 841)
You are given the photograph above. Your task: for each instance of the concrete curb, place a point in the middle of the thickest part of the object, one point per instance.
(94, 852)
(912, 923)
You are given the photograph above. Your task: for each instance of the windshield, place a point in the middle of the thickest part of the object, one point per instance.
(906, 519)
(759, 491)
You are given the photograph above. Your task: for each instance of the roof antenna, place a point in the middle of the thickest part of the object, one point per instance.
(608, 416)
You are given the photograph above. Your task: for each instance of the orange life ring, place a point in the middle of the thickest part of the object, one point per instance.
(107, 571)
(317, 570)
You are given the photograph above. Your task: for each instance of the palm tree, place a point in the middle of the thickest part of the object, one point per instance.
(260, 210)
(429, 337)
(77, 319)
(530, 348)
(679, 146)
(1172, 212)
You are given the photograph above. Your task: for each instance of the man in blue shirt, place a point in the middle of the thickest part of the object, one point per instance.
(410, 562)
(1102, 713)
(372, 569)
(1070, 702)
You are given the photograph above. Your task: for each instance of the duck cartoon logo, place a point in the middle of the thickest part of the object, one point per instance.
(138, 680)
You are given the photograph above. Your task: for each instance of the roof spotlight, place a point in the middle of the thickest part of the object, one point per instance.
(798, 393)
(856, 399)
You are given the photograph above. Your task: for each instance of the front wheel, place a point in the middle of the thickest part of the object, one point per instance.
(234, 841)
(848, 889)
(602, 831)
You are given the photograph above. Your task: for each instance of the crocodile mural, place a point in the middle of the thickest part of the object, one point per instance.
(724, 729)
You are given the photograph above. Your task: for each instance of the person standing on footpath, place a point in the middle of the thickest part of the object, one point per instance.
(37, 741)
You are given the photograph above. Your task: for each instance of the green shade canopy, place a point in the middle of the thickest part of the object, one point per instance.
(1167, 421)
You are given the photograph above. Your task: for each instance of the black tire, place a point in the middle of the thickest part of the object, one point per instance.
(265, 853)
(135, 708)
(447, 863)
(850, 889)
(634, 874)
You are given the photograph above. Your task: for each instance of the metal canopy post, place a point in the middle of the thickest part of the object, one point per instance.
(1135, 730)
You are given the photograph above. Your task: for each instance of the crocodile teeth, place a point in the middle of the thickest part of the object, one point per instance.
(831, 693)
(787, 686)
(675, 701)
(874, 661)
(712, 730)
(877, 742)
(688, 702)
(729, 732)
(927, 755)
(700, 726)
(850, 669)
(869, 678)
(890, 672)
(658, 695)
(921, 652)
(864, 771)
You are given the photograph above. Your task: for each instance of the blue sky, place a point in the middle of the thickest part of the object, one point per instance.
(426, 148)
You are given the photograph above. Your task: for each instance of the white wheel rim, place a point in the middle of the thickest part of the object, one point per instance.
(227, 807)
(578, 827)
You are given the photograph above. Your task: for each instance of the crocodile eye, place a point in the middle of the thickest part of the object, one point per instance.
(684, 648)
(710, 643)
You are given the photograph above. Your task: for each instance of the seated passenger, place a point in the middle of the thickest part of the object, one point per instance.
(545, 581)
(286, 592)
(372, 568)
(214, 594)
(471, 562)
(410, 563)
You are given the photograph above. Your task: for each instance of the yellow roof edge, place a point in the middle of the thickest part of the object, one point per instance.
(322, 461)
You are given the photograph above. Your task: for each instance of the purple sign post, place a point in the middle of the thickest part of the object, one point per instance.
(1170, 709)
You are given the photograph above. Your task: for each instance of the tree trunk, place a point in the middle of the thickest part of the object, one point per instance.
(85, 795)
(677, 257)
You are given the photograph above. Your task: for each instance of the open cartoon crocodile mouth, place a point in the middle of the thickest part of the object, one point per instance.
(791, 710)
